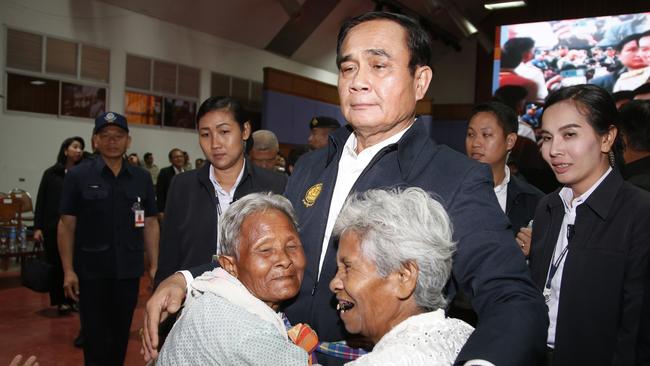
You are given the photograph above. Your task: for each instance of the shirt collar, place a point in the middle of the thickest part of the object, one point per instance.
(566, 194)
(217, 186)
(504, 183)
(369, 152)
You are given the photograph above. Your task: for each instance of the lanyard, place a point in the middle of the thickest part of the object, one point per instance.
(556, 264)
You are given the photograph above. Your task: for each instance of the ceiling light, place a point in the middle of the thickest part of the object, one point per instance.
(37, 82)
(504, 5)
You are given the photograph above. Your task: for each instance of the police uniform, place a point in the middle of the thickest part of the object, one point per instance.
(108, 250)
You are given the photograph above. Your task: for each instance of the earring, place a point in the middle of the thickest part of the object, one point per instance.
(612, 158)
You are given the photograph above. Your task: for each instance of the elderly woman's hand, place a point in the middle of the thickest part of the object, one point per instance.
(524, 237)
(167, 299)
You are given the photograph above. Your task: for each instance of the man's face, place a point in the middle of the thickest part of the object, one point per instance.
(376, 88)
(263, 158)
(177, 159)
(148, 160)
(630, 56)
(318, 137)
(644, 49)
(112, 142)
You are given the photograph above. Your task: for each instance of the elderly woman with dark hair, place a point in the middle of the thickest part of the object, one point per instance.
(231, 315)
(394, 259)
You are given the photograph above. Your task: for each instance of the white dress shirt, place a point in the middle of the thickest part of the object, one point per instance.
(351, 166)
(224, 198)
(501, 190)
(570, 206)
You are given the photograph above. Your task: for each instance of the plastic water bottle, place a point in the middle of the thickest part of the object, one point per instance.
(12, 240)
(23, 237)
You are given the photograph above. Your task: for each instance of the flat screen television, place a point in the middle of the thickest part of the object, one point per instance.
(609, 51)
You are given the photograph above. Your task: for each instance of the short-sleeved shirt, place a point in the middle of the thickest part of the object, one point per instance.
(107, 243)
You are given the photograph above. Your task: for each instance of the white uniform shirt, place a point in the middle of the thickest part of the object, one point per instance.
(502, 190)
(224, 197)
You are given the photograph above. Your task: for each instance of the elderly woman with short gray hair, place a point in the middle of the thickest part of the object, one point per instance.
(394, 259)
(231, 314)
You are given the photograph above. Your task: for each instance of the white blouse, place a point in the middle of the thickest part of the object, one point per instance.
(424, 339)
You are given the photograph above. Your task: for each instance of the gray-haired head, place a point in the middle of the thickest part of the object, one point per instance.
(265, 140)
(231, 221)
(399, 226)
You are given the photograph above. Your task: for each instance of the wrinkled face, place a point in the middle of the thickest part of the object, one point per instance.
(573, 149)
(376, 88)
(318, 137)
(178, 159)
(644, 46)
(486, 141)
(264, 159)
(366, 302)
(222, 139)
(74, 152)
(630, 56)
(112, 142)
(271, 259)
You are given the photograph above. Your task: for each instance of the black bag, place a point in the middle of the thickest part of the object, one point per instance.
(36, 274)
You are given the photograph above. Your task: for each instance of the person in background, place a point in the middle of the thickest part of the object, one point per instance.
(198, 163)
(188, 163)
(590, 252)
(491, 135)
(265, 149)
(630, 60)
(177, 160)
(133, 159)
(634, 124)
(294, 155)
(151, 167)
(642, 92)
(514, 96)
(319, 129)
(512, 56)
(393, 262)
(108, 222)
(46, 215)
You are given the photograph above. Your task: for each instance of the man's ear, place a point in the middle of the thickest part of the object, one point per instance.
(422, 79)
(407, 278)
(229, 264)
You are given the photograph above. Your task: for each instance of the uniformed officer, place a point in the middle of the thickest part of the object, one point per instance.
(108, 217)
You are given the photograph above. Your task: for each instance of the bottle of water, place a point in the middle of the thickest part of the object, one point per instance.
(12, 239)
(23, 237)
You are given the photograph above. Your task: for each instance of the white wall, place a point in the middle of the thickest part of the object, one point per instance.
(454, 77)
(29, 142)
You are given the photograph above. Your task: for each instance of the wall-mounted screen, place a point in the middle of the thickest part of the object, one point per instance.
(610, 51)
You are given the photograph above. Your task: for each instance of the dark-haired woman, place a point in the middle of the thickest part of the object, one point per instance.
(591, 237)
(46, 214)
(197, 198)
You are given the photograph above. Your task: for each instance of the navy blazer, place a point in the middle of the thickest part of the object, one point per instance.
(521, 201)
(604, 312)
(488, 264)
(162, 186)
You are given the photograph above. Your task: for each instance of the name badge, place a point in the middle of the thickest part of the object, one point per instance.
(138, 213)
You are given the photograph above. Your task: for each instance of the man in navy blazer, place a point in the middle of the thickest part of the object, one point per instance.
(383, 61)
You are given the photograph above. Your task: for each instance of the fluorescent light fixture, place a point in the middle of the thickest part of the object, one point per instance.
(37, 82)
(504, 5)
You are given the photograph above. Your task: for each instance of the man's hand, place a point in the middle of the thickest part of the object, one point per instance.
(167, 299)
(31, 361)
(71, 285)
(524, 237)
(38, 235)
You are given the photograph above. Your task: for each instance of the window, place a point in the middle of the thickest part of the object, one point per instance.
(247, 92)
(54, 76)
(161, 93)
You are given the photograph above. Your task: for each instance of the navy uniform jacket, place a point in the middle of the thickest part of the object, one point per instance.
(604, 312)
(189, 230)
(521, 201)
(488, 265)
(106, 242)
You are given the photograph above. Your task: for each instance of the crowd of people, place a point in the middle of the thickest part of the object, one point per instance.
(374, 245)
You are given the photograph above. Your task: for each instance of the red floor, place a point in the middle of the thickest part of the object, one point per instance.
(28, 325)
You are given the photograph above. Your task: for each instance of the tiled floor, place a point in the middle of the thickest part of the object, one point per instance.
(28, 325)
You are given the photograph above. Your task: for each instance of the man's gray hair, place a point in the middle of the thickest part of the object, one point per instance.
(231, 221)
(265, 140)
(399, 226)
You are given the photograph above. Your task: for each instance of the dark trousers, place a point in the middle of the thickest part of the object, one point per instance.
(106, 309)
(57, 296)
